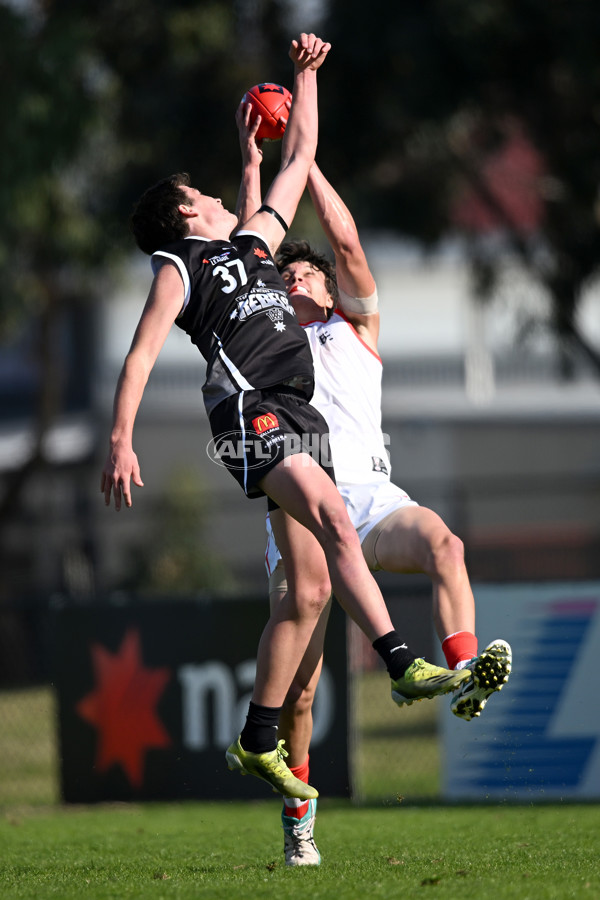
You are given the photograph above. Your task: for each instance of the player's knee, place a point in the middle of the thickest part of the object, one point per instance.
(338, 531)
(299, 699)
(312, 595)
(321, 595)
(447, 553)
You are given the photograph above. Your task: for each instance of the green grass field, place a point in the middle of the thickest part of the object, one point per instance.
(379, 848)
(233, 850)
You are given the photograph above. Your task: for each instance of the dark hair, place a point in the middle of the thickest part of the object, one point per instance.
(155, 220)
(301, 251)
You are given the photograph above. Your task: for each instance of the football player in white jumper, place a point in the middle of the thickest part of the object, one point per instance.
(338, 307)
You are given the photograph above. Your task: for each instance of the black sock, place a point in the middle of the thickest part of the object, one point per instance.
(259, 734)
(395, 654)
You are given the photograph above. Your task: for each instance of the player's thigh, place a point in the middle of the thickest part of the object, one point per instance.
(406, 537)
(302, 555)
(305, 491)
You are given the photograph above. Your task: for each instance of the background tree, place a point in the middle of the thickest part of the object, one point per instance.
(170, 560)
(49, 240)
(481, 117)
(437, 117)
(96, 104)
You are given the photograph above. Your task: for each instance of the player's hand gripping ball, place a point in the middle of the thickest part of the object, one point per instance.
(269, 100)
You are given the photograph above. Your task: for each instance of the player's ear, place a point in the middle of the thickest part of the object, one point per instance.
(187, 211)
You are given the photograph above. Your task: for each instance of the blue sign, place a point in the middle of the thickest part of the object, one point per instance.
(538, 738)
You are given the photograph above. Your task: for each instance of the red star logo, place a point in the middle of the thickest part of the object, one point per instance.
(122, 707)
(260, 253)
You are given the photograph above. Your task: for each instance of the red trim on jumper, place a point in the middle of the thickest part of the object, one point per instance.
(338, 312)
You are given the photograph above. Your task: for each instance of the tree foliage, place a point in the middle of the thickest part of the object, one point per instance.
(420, 101)
(416, 99)
(170, 559)
(437, 89)
(97, 102)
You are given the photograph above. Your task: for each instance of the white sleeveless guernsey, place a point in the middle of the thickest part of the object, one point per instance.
(348, 395)
(348, 377)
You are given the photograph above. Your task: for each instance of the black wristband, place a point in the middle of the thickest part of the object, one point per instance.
(269, 209)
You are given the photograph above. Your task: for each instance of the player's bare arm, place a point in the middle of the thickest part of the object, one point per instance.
(249, 196)
(299, 142)
(162, 307)
(354, 276)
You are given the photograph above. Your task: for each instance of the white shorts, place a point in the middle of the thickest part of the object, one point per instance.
(367, 505)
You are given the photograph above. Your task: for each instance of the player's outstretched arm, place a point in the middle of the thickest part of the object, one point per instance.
(162, 307)
(249, 195)
(358, 297)
(299, 142)
(352, 269)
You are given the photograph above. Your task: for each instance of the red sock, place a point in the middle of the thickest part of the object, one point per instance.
(292, 806)
(460, 646)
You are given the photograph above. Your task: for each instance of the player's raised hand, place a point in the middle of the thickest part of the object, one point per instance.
(309, 51)
(251, 147)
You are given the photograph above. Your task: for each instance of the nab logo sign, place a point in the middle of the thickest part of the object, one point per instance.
(151, 694)
(213, 709)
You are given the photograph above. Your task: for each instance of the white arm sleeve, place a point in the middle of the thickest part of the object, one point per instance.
(361, 306)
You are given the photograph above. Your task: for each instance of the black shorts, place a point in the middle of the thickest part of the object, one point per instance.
(253, 431)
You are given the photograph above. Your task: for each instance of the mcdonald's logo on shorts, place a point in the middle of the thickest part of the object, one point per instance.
(266, 422)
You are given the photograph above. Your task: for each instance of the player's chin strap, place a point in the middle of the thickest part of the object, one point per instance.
(269, 209)
(362, 306)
